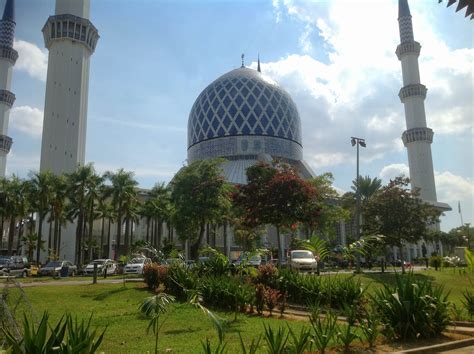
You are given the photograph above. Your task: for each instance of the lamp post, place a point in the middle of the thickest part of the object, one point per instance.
(356, 142)
(468, 235)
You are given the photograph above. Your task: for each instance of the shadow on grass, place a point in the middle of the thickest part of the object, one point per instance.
(181, 331)
(104, 295)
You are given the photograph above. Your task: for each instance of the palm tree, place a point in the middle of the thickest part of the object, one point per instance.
(122, 188)
(42, 189)
(367, 187)
(131, 215)
(104, 212)
(79, 184)
(15, 194)
(161, 209)
(94, 195)
(59, 207)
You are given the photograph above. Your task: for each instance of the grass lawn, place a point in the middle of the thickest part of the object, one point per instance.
(116, 306)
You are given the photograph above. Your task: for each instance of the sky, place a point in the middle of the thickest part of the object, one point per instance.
(335, 58)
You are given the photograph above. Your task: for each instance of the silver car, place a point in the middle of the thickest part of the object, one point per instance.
(103, 265)
(136, 265)
(303, 260)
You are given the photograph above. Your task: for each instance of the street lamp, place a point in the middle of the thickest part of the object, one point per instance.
(356, 142)
(468, 235)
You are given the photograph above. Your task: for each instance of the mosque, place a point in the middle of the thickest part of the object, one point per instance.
(243, 116)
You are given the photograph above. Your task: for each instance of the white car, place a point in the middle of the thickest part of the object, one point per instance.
(303, 260)
(135, 266)
(109, 265)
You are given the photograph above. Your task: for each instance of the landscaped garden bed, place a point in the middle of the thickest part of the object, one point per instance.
(231, 294)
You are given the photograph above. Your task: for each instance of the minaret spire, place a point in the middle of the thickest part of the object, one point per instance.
(242, 57)
(258, 65)
(8, 57)
(9, 11)
(418, 137)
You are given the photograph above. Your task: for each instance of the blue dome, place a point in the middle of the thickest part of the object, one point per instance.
(243, 102)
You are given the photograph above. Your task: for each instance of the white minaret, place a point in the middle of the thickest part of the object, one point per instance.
(418, 137)
(71, 39)
(8, 57)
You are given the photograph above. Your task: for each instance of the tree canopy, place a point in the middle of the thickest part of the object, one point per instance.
(398, 214)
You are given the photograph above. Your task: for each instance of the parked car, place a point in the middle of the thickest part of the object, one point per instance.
(135, 266)
(254, 260)
(17, 266)
(109, 265)
(303, 260)
(53, 268)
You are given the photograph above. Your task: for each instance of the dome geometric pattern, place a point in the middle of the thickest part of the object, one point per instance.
(243, 102)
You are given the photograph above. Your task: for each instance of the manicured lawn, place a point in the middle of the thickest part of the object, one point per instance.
(116, 306)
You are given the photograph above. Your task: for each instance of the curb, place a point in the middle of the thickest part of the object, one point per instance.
(441, 347)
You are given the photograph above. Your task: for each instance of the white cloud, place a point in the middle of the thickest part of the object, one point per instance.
(28, 120)
(31, 59)
(354, 92)
(451, 188)
(394, 170)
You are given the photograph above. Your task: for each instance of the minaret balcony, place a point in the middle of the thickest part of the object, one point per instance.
(412, 90)
(70, 27)
(5, 143)
(417, 134)
(7, 97)
(411, 47)
(9, 53)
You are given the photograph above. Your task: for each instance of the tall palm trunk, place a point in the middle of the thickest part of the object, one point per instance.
(119, 231)
(108, 238)
(40, 234)
(102, 234)
(55, 236)
(147, 230)
(79, 238)
(11, 234)
(50, 233)
(91, 225)
(60, 231)
(20, 235)
(160, 230)
(127, 235)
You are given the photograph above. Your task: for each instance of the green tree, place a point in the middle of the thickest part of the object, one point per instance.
(16, 202)
(328, 210)
(42, 190)
(122, 191)
(59, 207)
(398, 214)
(79, 183)
(275, 195)
(200, 196)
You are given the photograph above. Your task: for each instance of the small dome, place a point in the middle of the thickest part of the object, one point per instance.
(243, 102)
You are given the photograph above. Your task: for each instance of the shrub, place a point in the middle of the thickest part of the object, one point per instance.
(271, 298)
(323, 330)
(260, 298)
(338, 291)
(468, 301)
(154, 275)
(412, 308)
(179, 281)
(66, 337)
